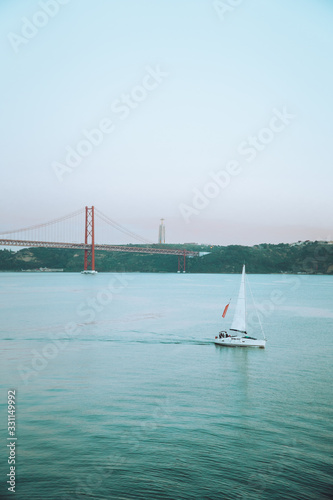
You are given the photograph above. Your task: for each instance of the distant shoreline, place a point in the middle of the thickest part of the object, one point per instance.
(302, 258)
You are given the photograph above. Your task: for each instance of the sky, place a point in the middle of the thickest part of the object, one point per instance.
(215, 115)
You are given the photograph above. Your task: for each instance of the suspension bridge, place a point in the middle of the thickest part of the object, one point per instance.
(68, 232)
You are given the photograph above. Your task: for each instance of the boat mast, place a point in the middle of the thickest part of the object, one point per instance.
(238, 323)
(245, 282)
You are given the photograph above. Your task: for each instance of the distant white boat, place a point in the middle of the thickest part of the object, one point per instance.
(89, 272)
(240, 338)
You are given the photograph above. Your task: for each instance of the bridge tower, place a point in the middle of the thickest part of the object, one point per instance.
(89, 239)
(182, 263)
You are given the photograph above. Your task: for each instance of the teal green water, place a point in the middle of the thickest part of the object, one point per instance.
(121, 393)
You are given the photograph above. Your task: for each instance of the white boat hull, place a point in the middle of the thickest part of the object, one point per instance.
(88, 272)
(240, 342)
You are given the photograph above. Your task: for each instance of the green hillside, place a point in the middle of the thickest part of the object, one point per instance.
(307, 257)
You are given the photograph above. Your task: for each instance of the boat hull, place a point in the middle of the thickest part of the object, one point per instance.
(240, 342)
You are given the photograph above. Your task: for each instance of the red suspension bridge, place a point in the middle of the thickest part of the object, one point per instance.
(67, 232)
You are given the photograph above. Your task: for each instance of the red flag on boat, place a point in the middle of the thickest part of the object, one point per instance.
(225, 310)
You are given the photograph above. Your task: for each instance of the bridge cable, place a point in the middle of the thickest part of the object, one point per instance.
(121, 228)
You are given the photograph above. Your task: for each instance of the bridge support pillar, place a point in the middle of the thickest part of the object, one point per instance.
(182, 263)
(89, 239)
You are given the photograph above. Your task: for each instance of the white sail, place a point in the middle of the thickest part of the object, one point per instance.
(239, 323)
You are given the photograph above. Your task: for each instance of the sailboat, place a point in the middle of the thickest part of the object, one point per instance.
(237, 336)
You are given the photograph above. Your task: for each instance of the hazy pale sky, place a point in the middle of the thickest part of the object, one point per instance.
(213, 115)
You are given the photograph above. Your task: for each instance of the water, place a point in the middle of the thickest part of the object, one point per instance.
(122, 395)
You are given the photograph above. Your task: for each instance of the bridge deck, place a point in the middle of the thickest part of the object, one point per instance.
(108, 248)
